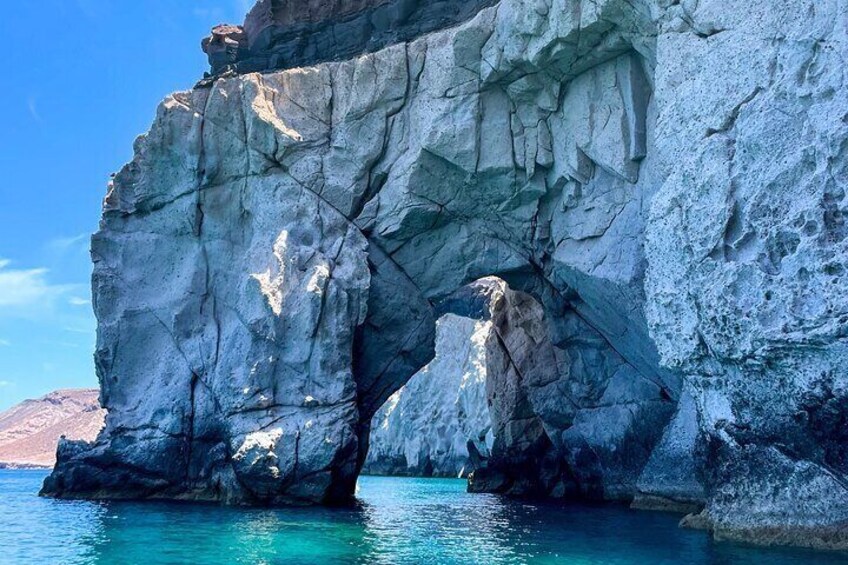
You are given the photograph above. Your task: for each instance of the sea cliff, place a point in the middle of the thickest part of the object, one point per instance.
(659, 188)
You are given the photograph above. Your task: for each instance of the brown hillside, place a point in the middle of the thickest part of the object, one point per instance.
(30, 431)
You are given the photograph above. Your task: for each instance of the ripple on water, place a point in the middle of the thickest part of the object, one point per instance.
(399, 521)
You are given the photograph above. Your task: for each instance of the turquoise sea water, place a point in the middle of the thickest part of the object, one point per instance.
(399, 521)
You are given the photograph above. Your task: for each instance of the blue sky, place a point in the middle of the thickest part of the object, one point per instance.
(81, 79)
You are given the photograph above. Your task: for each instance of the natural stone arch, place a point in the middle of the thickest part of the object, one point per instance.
(325, 300)
(705, 257)
(513, 341)
(438, 424)
(546, 402)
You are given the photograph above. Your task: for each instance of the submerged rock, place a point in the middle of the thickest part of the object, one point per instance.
(662, 185)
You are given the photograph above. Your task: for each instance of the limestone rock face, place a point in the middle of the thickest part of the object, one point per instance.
(438, 424)
(666, 181)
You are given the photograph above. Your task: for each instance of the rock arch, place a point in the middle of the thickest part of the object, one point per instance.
(438, 424)
(342, 260)
(270, 265)
(571, 420)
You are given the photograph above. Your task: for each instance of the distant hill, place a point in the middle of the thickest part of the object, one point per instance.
(30, 431)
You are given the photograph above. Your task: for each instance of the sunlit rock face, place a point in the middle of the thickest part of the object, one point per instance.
(667, 180)
(438, 424)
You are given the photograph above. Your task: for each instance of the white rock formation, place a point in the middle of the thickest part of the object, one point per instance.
(424, 429)
(666, 179)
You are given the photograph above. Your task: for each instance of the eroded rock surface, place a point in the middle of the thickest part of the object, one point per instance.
(570, 418)
(666, 180)
(525, 416)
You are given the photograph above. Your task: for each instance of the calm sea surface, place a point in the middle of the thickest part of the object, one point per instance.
(400, 521)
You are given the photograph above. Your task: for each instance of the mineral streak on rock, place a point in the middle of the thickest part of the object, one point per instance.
(661, 184)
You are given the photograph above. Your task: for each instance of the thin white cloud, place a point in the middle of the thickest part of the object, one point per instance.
(73, 243)
(5, 343)
(55, 343)
(77, 301)
(74, 330)
(28, 291)
(22, 287)
(6, 383)
(32, 106)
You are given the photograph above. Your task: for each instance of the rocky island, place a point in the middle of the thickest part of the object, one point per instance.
(644, 200)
